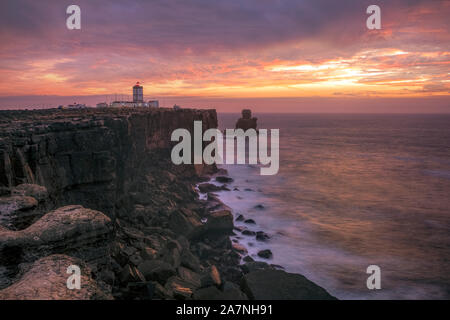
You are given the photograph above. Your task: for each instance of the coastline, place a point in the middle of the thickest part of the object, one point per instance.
(121, 210)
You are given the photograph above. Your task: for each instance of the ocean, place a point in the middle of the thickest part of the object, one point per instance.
(353, 190)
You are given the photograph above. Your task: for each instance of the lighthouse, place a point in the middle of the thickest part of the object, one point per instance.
(138, 93)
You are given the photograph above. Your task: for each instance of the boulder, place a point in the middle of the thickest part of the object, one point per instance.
(280, 285)
(219, 223)
(156, 270)
(266, 254)
(47, 280)
(224, 179)
(73, 230)
(186, 223)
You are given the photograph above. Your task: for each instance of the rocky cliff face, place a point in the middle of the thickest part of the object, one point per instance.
(91, 156)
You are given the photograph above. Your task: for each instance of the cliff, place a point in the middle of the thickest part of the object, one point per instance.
(89, 156)
(96, 188)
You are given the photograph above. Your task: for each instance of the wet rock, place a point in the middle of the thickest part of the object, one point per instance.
(239, 248)
(224, 179)
(209, 187)
(280, 285)
(248, 233)
(248, 259)
(259, 207)
(266, 254)
(240, 218)
(261, 236)
(219, 223)
(32, 285)
(250, 221)
(254, 266)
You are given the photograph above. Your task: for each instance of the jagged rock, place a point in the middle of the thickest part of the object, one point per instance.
(248, 259)
(31, 190)
(280, 285)
(156, 270)
(180, 288)
(186, 223)
(240, 218)
(47, 280)
(131, 274)
(266, 254)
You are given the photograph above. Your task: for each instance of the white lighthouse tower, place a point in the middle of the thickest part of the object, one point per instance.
(138, 93)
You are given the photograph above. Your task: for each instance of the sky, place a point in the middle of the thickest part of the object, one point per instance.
(270, 55)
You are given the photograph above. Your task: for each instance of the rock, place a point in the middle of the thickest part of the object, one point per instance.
(219, 223)
(31, 190)
(208, 293)
(156, 270)
(131, 274)
(47, 280)
(248, 233)
(190, 276)
(261, 236)
(208, 187)
(212, 277)
(266, 254)
(240, 218)
(181, 289)
(254, 266)
(280, 285)
(246, 122)
(248, 259)
(232, 292)
(189, 260)
(148, 253)
(259, 206)
(224, 179)
(239, 248)
(74, 230)
(186, 223)
(16, 211)
(250, 221)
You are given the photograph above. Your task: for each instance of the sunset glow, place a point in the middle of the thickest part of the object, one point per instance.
(181, 50)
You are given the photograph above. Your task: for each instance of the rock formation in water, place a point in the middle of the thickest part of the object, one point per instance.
(246, 122)
(96, 188)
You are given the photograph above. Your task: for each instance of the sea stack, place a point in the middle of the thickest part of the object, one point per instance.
(246, 122)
